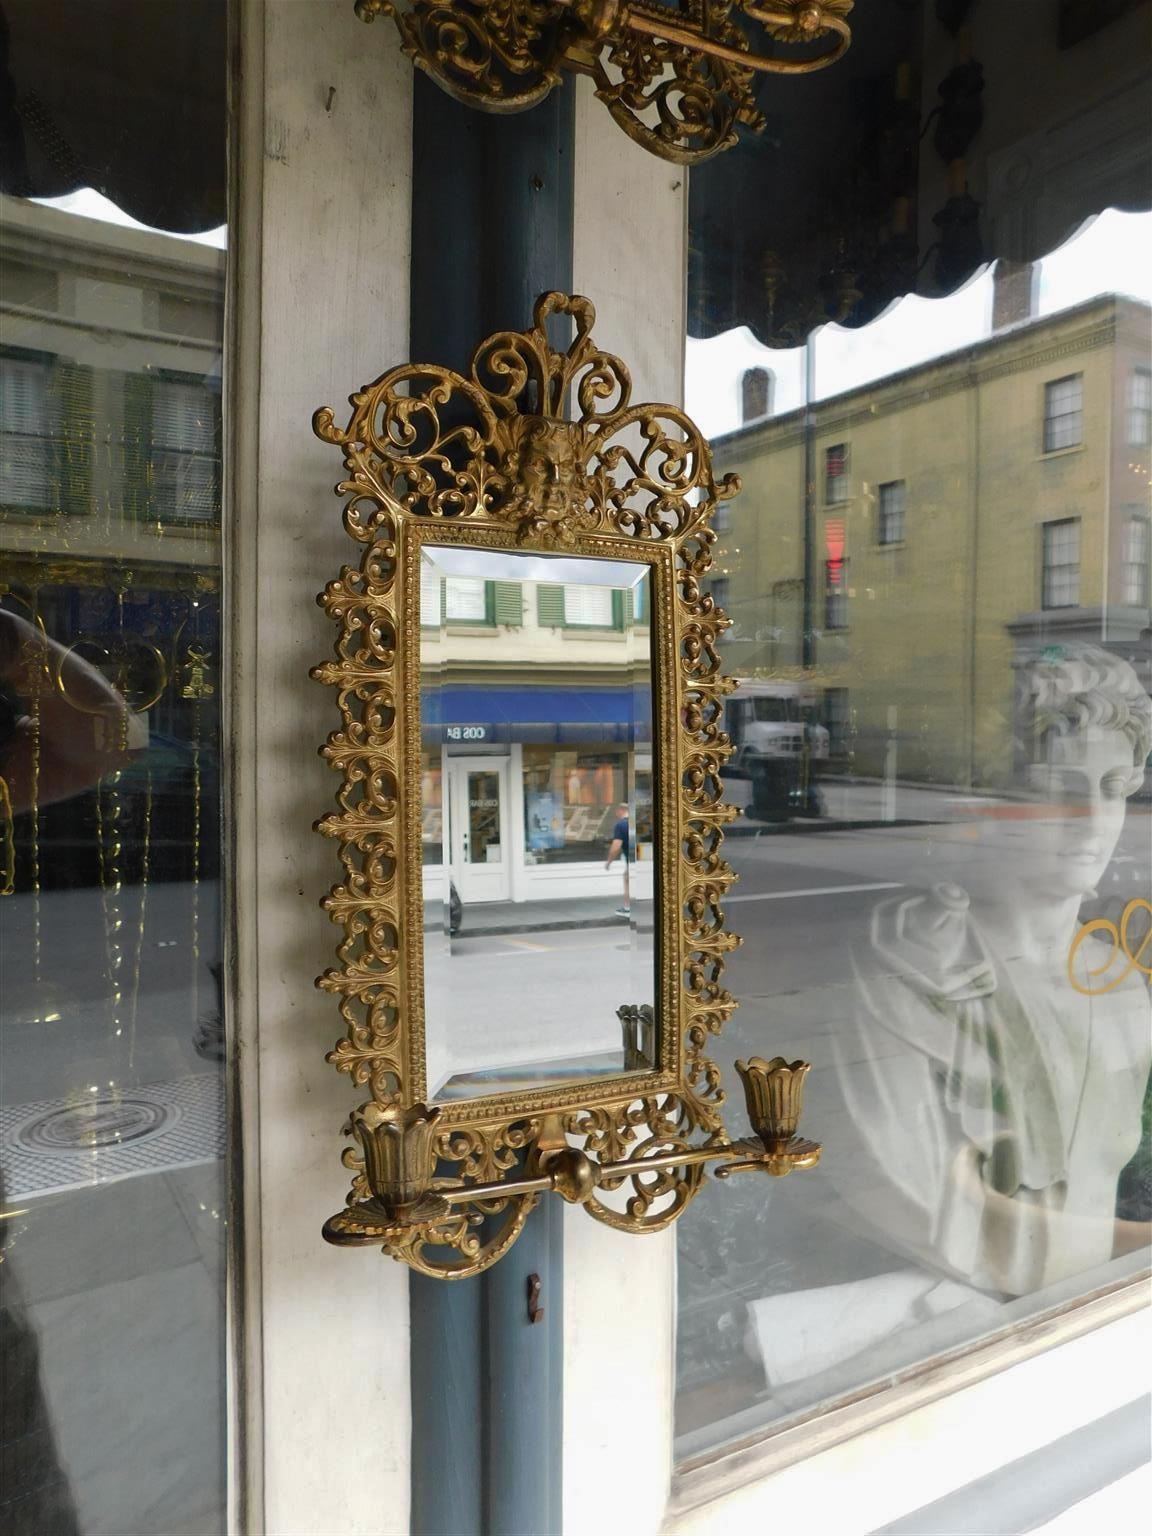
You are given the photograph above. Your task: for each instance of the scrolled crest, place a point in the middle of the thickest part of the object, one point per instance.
(542, 440)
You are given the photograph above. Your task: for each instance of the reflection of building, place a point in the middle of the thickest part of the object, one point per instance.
(965, 514)
(110, 500)
(538, 697)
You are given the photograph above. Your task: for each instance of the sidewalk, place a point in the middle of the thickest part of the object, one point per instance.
(495, 917)
(852, 805)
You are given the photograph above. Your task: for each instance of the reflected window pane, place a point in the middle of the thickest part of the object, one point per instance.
(1061, 574)
(891, 510)
(1063, 413)
(112, 1040)
(588, 605)
(1137, 560)
(465, 599)
(836, 487)
(1139, 419)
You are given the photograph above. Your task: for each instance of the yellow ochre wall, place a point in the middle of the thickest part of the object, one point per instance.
(927, 618)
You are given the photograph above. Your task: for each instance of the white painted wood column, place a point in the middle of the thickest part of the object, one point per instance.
(630, 259)
(320, 285)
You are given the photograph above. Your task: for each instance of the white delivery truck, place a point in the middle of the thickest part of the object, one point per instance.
(780, 749)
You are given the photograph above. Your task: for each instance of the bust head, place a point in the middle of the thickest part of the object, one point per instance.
(1093, 731)
(1084, 691)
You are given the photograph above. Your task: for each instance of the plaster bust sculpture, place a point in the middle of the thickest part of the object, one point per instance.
(996, 1081)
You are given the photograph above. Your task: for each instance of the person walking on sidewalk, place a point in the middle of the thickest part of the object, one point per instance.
(620, 845)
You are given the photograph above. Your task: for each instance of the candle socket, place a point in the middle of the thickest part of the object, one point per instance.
(398, 1157)
(774, 1095)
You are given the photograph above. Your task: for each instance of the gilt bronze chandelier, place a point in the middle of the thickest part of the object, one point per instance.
(677, 75)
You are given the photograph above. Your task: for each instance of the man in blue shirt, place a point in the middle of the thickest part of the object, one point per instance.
(620, 845)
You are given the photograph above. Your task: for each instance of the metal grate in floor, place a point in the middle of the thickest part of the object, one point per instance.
(60, 1144)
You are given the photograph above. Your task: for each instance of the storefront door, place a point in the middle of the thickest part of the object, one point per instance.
(478, 828)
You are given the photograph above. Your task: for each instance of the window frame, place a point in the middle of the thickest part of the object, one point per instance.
(838, 487)
(886, 515)
(836, 593)
(1049, 570)
(600, 1336)
(152, 451)
(456, 621)
(615, 620)
(1137, 564)
(1139, 381)
(1052, 418)
(51, 439)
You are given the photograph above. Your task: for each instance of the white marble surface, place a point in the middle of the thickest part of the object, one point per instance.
(133, 1374)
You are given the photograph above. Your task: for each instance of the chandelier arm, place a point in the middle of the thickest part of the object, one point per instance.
(685, 38)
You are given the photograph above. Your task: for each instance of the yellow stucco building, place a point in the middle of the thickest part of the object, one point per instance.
(962, 516)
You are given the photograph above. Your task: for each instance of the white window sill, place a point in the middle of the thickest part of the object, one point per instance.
(858, 1467)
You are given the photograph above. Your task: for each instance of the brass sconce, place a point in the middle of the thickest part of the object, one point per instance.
(500, 490)
(677, 75)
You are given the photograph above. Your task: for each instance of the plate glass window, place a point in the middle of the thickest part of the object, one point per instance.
(940, 739)
(113, 1050)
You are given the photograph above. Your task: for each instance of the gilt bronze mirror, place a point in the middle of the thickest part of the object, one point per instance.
(530, 817)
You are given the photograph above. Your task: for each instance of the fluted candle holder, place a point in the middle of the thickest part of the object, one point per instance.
(774, 1095)
(397, 1147)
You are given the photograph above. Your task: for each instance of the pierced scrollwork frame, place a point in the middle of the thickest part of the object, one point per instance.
(431, 454)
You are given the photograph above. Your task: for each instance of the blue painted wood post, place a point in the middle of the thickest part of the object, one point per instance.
(491, 229)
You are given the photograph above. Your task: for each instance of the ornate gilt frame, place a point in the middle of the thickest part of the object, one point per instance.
(433, 455)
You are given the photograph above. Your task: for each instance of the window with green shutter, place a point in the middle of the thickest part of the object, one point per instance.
(46, 421)
(550, 606)
(507, 603)
(135, 438)
(185, 449)
(72, 387)
(468, 600)
(591, 607)
(29, 462)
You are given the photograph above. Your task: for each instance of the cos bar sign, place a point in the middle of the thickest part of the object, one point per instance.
(465, 733)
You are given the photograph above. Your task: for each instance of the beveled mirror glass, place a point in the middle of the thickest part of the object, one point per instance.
(536, 820)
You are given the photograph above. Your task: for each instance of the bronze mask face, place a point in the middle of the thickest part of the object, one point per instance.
(547, 478)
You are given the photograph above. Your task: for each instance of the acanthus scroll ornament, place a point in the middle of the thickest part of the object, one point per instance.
(499, 446)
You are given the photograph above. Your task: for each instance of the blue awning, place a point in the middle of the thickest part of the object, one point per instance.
(566, 715)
